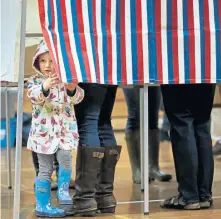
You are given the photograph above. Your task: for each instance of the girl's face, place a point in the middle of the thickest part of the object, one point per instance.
(45, 64)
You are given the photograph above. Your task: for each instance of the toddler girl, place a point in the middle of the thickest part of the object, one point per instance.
(53, 130)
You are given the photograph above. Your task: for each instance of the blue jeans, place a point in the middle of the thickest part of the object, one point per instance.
(132, 96)
(188, 108)
(94, 115)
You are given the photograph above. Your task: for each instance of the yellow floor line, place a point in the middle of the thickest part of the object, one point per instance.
(122, 217)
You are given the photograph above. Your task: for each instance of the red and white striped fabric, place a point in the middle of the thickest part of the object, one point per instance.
(134, 41)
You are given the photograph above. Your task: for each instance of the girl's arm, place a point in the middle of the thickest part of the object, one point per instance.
(35, 91)
(75, 96)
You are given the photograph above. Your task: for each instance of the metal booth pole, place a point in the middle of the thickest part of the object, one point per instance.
(142, 137)
(17, 182)
(146, 152)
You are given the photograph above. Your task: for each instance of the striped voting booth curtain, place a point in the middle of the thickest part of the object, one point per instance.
(134, 41)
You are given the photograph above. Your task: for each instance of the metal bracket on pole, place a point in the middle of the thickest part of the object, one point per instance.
(17, 182)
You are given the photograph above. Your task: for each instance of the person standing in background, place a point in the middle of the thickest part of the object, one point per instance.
(132, 133)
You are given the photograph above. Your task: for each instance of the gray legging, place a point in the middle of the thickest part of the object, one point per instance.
(64, 158)
(36, 164)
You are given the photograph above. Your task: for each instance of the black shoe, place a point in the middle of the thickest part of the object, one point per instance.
(156, 173)
(205, 204)
(176, 202)
(154, 147)
(217, 148)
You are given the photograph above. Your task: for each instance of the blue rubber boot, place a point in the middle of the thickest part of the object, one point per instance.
(43, 200)
(64, 178)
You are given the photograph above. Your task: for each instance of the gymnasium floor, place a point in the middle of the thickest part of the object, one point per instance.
(128, 195)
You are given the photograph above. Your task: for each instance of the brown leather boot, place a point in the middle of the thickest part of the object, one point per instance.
(106, 201)
(88, 166)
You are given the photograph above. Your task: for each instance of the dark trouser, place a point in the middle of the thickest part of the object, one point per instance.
(188, 108)
(94, 115)
(132, 97)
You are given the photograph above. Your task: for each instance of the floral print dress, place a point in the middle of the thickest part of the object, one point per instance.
(53, 118)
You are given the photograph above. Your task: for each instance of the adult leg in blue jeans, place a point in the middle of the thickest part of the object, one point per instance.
(94, 115)
(133, 133)
(106, 133)
(98, 151)
(188, 108)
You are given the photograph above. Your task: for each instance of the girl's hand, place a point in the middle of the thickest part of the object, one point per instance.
(70, 86)
(50, 82)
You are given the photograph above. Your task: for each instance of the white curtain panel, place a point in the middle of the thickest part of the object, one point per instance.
(9, 28)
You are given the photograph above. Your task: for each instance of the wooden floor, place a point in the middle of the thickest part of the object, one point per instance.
(128, 195)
